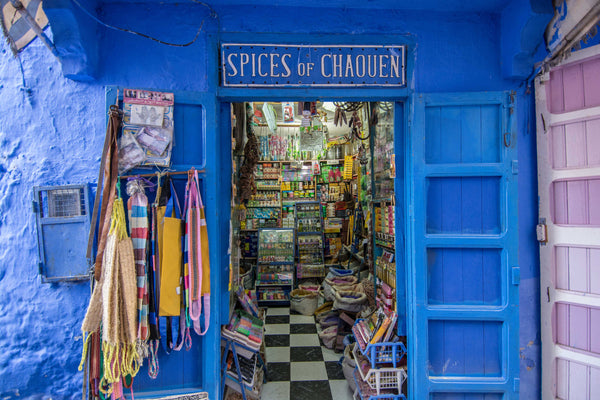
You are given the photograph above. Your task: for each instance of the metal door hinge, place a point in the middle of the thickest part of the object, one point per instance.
(516, 275)
(515, 167)
(35, 207)
(541, 232)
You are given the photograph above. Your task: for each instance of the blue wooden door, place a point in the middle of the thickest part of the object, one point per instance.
(466, 315)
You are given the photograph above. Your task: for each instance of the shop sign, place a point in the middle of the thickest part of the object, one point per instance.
(268, 65)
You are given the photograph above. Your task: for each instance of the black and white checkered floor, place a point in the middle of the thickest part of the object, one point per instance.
(299, 368)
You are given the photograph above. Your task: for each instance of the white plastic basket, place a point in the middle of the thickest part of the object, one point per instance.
(379, 378)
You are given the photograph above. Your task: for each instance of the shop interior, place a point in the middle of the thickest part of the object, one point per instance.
(317, 306)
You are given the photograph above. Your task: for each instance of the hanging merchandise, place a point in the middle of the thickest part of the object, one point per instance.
(148, 117)
(246, 185)
(270, 116)
(130, 153)
(153, 275)
(113, 305)
(348, 163)
(101, 215)
(198, 263)
(137, 207)
(288, 112)
(171, 228)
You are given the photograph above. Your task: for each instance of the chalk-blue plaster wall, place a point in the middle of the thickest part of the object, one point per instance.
(54, 136)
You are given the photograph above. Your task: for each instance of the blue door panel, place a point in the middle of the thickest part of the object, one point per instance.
(466, 396)
(462, 134)
(464, 276)
(465, 244)
(465, 348)
(463, 205)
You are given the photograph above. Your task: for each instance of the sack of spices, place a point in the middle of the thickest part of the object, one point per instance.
(303, 301)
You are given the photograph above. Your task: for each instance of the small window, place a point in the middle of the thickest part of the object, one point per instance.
(63, 224)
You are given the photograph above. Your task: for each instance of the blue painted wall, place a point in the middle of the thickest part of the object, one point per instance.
(54, 136)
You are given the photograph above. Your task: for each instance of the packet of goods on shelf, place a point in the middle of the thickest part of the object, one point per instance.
(245, 329)
(246, 302)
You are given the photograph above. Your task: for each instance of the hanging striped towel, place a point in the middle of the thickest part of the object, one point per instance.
(137, 207)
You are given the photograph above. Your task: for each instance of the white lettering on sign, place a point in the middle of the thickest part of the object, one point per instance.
(342, 66)
(259, 65)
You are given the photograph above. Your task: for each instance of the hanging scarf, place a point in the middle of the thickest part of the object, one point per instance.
(137, 207)
(198, 266)
(119, 300)
(153, 273)
(113, 304)
(107, 177)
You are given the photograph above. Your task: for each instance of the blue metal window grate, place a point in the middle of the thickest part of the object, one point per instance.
(62, 216)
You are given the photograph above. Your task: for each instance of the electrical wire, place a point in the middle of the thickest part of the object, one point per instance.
(213, 14)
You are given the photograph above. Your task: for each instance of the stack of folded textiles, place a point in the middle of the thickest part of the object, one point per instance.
(245, 329)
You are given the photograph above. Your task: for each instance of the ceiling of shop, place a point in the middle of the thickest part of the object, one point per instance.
(431, 5)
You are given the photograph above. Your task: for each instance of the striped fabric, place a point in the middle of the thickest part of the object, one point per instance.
(137, 206)
(16, 29)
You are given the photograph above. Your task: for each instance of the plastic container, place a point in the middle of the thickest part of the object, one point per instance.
(379, 378)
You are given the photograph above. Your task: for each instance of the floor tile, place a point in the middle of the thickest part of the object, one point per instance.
(313, 353)
(330, 355)
(304, 339)
(277, 319)
(334, 370)
(340, 390)
(278, 354)
(278, 371)
(303, 328)
(277, 340)
(308, 371)
(277, 329)
(276, 391)
(278, 311)
(301, 319)
(310, 390)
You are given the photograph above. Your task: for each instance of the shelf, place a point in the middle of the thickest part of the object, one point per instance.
(299, 161)
(258, 284)
(248, 230)
(309, 233)
(382, 200)
(264, 207)
(275, 262)
(273, 302)
(388, 247)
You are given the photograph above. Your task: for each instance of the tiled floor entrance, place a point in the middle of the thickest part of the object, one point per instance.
(299, 368)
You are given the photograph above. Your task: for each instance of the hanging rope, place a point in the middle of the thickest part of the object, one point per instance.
(247, 187)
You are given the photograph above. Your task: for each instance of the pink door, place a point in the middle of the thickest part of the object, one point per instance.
(568, 141)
